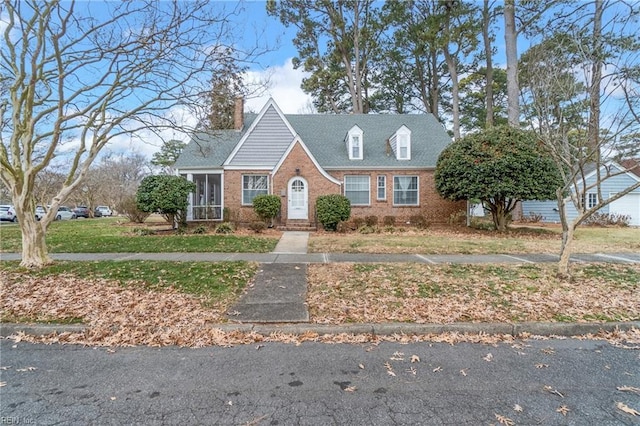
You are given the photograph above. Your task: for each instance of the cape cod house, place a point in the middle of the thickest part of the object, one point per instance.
(383, 163)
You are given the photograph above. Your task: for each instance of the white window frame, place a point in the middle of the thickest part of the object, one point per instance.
(354, 136)
(381, 179)
(243, 189)
(417, 191)
(592, 200)
(368, 178)
(402, 139)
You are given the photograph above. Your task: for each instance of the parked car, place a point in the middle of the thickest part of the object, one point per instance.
(40, 212)
(8, 213)
(82, 211)
(65, 213)
(104, 211)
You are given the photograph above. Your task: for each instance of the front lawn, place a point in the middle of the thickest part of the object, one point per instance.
(131, 294)
(442, 294)
(451, 240)
(113, 235)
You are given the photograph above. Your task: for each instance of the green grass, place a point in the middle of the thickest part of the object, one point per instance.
(211, 281)
(109, 235)
(460, 240)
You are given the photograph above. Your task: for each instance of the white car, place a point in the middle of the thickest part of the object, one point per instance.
(40, 212)
(8, 213)
(65, 213)
(105, 210)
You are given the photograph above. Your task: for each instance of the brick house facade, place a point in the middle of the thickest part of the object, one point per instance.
(383, 163)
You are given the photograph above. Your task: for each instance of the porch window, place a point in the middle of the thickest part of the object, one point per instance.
(357, 190)
(207, 199)
(382, 187)
(253, 185)
(405, 191)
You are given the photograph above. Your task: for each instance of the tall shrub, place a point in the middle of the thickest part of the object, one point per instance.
(267, 207)
(332, 209)
(166, 195)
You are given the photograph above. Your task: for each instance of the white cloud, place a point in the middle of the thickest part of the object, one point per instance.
(284, 87)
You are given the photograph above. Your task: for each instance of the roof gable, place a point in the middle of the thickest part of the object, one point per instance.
(265, 141)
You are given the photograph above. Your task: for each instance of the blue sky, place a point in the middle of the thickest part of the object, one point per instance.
(284, 81)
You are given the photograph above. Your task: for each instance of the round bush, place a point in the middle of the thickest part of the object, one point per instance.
(332, 209)
(266, 206)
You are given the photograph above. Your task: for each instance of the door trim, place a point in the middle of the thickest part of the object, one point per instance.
(302, 213)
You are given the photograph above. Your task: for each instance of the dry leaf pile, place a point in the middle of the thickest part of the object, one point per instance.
(345, 293)
(114, 314)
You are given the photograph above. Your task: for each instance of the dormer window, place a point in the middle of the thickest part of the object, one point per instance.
(355, 143)
(401, 143)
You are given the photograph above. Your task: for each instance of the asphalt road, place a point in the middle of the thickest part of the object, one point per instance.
(321, 384)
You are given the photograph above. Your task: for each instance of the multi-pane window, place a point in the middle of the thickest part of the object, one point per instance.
(403, 147)
(592, 200)
(357, 189)
(253, 185)
(405, 190)
(382, 187)
(356, 147)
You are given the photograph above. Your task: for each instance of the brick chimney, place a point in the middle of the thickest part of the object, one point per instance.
(238, 114)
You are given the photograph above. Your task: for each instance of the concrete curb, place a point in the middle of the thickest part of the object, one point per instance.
(383, 329)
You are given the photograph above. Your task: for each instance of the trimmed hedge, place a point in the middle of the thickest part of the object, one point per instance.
(332, 209)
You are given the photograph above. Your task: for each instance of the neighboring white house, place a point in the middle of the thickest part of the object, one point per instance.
(629, 205)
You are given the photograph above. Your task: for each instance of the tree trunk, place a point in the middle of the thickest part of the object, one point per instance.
(567, 237)
(596, 77)
(568, 230)
(486, 21)
(34, 248)
(510, 38)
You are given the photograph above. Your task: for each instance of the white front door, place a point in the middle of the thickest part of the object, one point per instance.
(298, 203)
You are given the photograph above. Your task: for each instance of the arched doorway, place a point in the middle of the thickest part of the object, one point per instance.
(298, 207)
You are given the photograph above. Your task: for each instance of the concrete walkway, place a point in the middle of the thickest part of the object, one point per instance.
(292, 242)
(278, 294)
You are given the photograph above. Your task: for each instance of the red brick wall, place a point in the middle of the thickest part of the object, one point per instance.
(433, 207)
(318, 183)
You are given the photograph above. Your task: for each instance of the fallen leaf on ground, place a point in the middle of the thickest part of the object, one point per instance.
(350, 389)
(488, 358)
(553, 391)
(517, 408)
(503, 420)
(628, 389)
(623, 407)
(542, 365)
(563, 410)
(361, 366)
(415, 358)
(26, 369)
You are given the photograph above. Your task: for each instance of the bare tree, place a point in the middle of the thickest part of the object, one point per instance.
(80, 75)
(586, 120)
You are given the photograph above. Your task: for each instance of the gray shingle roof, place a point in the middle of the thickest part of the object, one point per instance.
(207, 150)
(325, 135)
